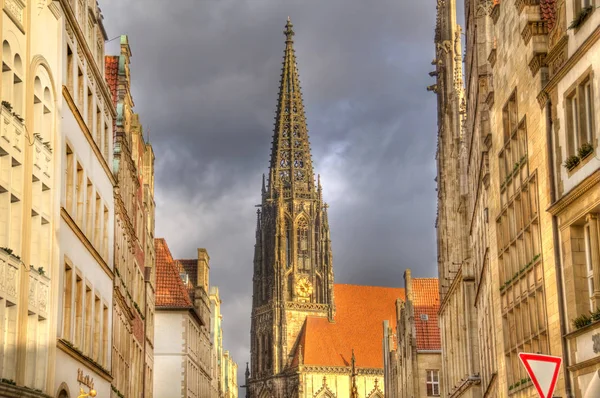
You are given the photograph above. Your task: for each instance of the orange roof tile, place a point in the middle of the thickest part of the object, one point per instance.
(111, 73)
(548, 12)
(170, 290)
(426, 301)
(360, 312)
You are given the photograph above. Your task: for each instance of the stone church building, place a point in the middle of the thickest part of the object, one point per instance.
(309, 336)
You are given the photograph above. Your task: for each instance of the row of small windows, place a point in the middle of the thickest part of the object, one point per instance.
(85, 316)
(85, 205)
(91, 110)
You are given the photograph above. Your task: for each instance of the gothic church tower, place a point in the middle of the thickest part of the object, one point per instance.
(293, 272)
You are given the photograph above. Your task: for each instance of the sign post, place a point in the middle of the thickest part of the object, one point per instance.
(543, 371)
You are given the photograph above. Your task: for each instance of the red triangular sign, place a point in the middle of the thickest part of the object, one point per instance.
(543, 371)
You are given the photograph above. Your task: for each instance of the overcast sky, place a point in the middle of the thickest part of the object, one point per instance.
(205, 77)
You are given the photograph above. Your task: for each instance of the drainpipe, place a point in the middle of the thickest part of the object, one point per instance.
(557, 258)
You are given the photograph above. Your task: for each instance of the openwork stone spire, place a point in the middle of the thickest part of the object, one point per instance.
(291, 164)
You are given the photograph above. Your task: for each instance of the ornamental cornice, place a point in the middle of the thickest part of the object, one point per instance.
(295, 305)
(558, 206)
(457, 279)
(345, 370)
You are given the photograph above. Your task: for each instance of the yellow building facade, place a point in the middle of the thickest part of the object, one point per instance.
(30, 140)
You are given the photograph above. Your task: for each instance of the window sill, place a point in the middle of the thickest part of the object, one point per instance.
(588, 16)
(583, 162)
(583, 330)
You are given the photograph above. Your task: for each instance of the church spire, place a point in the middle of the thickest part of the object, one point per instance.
(291, 164)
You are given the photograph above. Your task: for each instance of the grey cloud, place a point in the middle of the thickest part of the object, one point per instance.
(205, 82)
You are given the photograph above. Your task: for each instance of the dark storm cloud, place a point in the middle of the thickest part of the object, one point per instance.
(205, 81)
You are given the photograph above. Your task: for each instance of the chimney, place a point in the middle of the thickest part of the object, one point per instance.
(408, 285)
(203, 269)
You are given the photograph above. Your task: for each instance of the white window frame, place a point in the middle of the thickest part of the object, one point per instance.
(589, 267)
(579, 114)
(434, 382)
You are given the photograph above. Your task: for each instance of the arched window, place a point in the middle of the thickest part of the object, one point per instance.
(288, 243)
(303, 246)
(7, 73)
(18, 86)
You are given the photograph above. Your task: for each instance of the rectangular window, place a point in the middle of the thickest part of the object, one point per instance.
(79, 190)
(97, 337)
(589, 266)
(70, 69)
(433, 383)
(89, 210)
(78, 311)
(105, 235)
(69, 182)
(580, 116)
(80, 89)
(99, 129)
(87, 336)
(90, 110)
(98, 223)
(68, 302)
(106, 141)
(105, 336)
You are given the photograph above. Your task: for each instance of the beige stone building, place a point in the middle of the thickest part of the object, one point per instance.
(133, 295)
(86, 230)
(570, 98)
(413, 349)
(30, 193)
(516, 163)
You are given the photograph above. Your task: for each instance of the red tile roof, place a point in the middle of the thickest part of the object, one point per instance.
(426, 301)
(360, 312)
(548, 12)
(111, 73)
(170, 290)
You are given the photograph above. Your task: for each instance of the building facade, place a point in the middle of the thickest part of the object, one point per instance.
(230, 369)
(86, 230)
(133, 170)
(570, 98)
(216, 338)
(413, 349)
(522, 159)
(30, 158)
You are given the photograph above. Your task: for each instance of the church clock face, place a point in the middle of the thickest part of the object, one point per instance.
(304, 288)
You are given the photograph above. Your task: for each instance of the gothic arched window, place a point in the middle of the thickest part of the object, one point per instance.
(288, 243)
(303, 246)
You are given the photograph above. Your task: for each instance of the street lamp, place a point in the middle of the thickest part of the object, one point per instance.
(83, 394)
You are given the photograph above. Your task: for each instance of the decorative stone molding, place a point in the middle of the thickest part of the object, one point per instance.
(533, 28)
(537, 62)
(15, 10)
(558, 56)
(295, 305)
(521, 4)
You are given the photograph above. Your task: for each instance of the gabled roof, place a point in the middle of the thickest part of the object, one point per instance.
(111, 73)
(360, 312)
(170, 290)
(426, 301)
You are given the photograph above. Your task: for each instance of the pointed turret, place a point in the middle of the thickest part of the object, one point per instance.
(291, 164)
